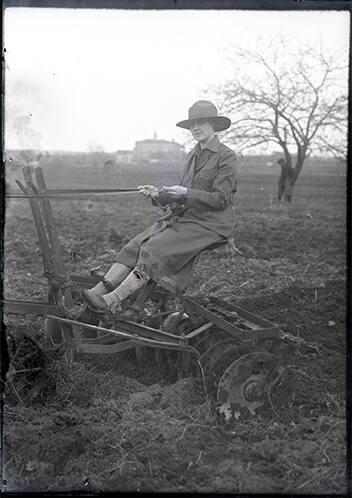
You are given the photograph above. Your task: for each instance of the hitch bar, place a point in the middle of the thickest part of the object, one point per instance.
(149, 342)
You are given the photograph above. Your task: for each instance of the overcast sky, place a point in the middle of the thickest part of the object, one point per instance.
(77, 79)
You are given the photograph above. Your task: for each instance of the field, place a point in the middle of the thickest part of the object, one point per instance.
(110, 424)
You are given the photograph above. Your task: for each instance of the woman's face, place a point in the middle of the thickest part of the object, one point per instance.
(202, 130)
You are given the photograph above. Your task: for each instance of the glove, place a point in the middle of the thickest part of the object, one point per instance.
(176, 192)
(149, 191)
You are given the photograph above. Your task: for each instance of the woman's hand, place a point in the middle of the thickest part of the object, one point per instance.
(176, 191)
(149, 191)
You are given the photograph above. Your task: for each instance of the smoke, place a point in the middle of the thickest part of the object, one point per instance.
(27, 136)
(24, 108)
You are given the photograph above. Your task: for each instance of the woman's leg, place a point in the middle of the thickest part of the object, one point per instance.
(117, 274)
(136, 279)
(171, 252)
(126, 260)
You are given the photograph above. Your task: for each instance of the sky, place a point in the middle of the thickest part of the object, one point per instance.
(83, 79)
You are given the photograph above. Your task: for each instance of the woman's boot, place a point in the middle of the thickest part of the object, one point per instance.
(112, 300)
(117, 274)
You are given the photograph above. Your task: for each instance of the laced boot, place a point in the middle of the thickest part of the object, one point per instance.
(117, 274)
(135, 281)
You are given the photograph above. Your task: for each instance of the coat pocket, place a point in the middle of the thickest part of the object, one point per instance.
(207, 173)
(202, 184)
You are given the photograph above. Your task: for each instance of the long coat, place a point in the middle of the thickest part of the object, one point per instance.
(169, 247)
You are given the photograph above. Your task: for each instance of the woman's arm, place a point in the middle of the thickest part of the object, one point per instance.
(224, 185)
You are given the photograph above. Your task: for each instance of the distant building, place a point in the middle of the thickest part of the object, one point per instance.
(155, 150)
(124, 156)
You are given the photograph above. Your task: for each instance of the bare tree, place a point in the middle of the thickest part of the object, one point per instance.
(296, 100)
(335, 144)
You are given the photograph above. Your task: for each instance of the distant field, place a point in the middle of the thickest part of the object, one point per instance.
(121, 427)
(85, 169)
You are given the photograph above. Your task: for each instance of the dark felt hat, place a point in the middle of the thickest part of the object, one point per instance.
(203, 109)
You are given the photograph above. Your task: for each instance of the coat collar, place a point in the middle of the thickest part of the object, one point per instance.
(213, 145)
(187, 178)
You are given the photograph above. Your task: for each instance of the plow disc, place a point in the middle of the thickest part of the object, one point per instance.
(244, 387)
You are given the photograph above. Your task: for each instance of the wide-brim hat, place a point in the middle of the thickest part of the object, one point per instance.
(203, 109)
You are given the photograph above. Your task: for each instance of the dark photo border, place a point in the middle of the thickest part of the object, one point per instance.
(255, 5)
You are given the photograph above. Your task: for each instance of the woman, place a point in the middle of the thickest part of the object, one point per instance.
(199, 215)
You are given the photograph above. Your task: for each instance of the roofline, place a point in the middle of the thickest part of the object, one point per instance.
(158, 141)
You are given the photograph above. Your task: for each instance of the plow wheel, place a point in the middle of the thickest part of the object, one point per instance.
(60, 333)
(221, 352)
(204, 341)
(244, 387)
(211, 345)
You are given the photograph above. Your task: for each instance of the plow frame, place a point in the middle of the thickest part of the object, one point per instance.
(125, 334)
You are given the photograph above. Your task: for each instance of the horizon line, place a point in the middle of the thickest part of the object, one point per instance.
(66, 151)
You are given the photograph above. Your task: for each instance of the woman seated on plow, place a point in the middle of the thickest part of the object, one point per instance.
(199, 215)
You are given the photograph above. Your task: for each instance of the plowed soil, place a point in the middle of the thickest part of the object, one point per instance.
(109, 423)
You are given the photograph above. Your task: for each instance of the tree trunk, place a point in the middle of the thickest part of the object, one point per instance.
(298, 167)
(286, 182)
(288, 190)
